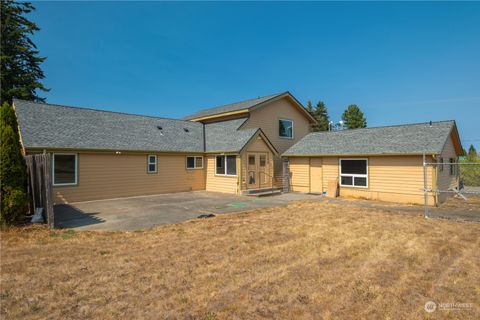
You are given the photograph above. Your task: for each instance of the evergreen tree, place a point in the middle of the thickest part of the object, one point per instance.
(472, 152)
(310, 107)
(321, 115)
(13, 173)
(354, 117)
(20, 64)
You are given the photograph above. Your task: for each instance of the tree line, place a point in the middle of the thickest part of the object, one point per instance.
(21, 77)
(352, 117)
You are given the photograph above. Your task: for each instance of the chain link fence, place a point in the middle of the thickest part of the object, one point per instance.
(453, 187)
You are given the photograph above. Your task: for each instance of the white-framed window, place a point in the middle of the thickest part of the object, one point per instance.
(226, 165)
(354, 173)
(65, 169)
(152, 163)
(194, 162)
(285, 128)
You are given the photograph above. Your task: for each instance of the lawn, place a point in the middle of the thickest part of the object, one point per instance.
(307, 260)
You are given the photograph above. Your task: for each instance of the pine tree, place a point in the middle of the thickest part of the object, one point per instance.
(354, 117)
(472, 152)
(310, 107)
(321, 115)
(13, 174)
(20, 64)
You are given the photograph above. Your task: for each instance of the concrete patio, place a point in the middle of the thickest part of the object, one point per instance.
(149, 211)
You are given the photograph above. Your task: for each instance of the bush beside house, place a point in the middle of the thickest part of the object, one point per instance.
(13, 173)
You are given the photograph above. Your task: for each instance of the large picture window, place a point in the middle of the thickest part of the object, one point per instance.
(226, 165)
(285, 128)
(64, 169)
(354, 173)
(194, 162)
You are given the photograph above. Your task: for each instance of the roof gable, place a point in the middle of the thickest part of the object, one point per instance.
(246, 106)
(428, 138)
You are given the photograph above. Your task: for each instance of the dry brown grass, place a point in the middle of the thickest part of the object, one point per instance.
(307, 260)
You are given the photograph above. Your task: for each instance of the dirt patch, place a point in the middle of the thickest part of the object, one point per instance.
(306, 260)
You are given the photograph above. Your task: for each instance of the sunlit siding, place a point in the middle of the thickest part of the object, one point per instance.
(108, 175)
(300, 174)
(218, 183)
(390, 178)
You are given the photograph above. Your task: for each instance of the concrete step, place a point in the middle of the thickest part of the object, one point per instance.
(265, 193)
(260, 190)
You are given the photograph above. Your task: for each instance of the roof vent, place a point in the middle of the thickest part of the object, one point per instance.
(159, 128)
(186, 130)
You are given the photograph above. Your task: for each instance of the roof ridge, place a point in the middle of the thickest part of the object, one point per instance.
(241, 101)
(386, 126)
(100, 110)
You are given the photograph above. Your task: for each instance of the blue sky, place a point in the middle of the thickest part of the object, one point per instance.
(400, 62)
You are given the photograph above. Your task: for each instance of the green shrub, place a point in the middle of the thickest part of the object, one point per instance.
(14, 202)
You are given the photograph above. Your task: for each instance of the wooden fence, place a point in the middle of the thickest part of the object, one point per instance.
(39, 168)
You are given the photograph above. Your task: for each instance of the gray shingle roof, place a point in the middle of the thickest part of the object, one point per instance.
(224, 136)
(402, 139)
(62, 127)
(246, 104)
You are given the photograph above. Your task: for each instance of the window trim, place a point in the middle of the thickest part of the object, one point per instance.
(53, 169)
(149, 163)
(194, 163)
(352, 175)
(452, 166)
(225, 165)
(293, 134)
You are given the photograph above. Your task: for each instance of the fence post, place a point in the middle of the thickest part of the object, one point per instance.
(425, 186)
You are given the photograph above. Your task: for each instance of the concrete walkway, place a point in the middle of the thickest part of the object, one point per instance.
(148, 211)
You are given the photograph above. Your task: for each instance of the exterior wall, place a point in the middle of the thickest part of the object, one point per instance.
(257, 145)
(390, 178)
(217, 183)
(300, 174)
(107, 176)
(444, 180)
(267, 118)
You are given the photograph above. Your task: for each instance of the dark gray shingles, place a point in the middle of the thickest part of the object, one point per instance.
(402, 139)
(53, 126)
(232, 107)
(225, 136)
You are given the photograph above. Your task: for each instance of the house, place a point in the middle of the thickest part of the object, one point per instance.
(383, 163)
(102, 155)
(281, 117)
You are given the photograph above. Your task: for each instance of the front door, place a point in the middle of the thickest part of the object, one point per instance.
(252, 171)
(257, 171)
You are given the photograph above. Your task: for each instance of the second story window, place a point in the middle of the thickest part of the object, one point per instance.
(285, 128)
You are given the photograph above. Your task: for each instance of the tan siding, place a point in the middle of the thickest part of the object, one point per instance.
(330, 171)
(257, 145)
(444, 180)
(390, 178)
(106, 176)
(300, 174)
(225, 184)
(267, 118)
